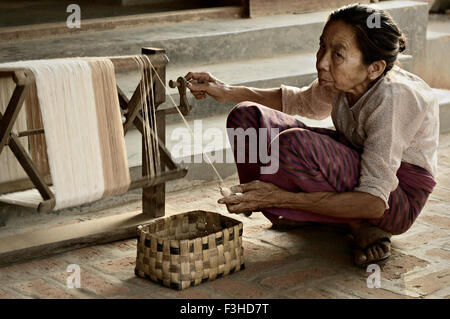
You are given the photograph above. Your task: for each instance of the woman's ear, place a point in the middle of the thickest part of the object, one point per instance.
(376, 69)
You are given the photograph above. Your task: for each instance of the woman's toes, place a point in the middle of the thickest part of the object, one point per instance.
(370, 254)
(380, 251)
(386, 246)
(360, 256)
(374, 253)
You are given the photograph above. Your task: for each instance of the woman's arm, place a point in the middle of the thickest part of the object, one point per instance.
(258, 195)
(203, 83)
(346, 204)
(312, 101)
(268, 97)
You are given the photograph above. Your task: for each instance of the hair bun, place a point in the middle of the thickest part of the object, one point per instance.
(402, 43)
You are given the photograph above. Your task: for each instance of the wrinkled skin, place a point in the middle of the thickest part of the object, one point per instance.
(254, 196)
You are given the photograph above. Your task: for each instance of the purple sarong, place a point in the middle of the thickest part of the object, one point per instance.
(321, 160)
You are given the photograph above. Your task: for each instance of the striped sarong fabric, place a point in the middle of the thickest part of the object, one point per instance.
(79, 110)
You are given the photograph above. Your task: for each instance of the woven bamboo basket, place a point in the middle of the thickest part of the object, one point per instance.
(188, 249)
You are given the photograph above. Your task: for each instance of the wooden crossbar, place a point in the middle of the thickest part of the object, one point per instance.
(133, 106)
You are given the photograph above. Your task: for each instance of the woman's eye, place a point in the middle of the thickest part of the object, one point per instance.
(338, 55)
(322, 46)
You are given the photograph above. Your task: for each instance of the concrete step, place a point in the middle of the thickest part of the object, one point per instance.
(293, 69)
(434, 68)
(206, 42)
(96, 18)
(443, 97)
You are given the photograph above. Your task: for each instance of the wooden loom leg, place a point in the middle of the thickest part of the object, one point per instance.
(11, 113)
(154, 197)
(29, 168)
(7, 121)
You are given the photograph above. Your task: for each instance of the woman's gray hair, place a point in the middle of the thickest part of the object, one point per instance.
(377, 34)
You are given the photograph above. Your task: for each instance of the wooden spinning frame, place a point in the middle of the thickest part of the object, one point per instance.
(153, 197)
(153, 188)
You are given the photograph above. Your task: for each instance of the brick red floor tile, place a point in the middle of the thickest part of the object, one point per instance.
(41, 289)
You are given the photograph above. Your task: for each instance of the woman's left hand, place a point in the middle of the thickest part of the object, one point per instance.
(255, 196)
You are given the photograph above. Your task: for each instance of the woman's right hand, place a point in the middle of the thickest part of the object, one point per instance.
(203, 83)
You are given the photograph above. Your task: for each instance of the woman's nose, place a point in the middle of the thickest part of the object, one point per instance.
(322, 62)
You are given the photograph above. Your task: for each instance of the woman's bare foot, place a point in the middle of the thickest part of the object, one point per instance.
(373, 244)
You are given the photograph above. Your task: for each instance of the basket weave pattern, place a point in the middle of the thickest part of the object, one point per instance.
(187, 249)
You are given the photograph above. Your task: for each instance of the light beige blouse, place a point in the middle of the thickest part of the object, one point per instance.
(396, 120)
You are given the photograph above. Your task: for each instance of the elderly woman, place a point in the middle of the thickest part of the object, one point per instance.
(376, 171)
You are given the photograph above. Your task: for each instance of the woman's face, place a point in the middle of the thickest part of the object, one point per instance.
(339, 61)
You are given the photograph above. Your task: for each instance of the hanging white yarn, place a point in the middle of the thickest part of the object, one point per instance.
(66, 97)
